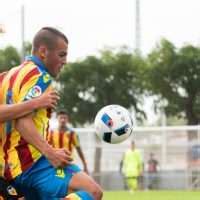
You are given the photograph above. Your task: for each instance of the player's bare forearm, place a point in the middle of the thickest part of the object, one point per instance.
(14, 111)
(27, 129)
(57, 157)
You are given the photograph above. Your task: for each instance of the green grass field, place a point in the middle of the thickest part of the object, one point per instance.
(152, 195)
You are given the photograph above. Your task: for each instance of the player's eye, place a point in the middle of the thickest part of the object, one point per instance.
(62, 54)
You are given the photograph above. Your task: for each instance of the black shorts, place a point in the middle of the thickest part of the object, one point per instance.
(7, 191)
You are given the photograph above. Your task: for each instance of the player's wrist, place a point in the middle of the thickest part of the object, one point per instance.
(36, 103)
(47, 150)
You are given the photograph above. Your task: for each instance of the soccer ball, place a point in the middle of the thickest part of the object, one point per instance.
(113, 124)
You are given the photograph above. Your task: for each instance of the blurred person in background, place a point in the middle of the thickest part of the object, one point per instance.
(132, 167)
(66, 137)
(152, 170)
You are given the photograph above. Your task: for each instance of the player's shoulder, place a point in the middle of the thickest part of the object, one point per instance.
(21, 70)
(29, 70)
(5, 77)
(33, 69)
(128, 152)
(36, 73)
(137, 151)
(28, 66)
(2, 75)
(10, 72)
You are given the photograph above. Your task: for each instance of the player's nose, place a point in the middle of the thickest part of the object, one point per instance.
(64, 61)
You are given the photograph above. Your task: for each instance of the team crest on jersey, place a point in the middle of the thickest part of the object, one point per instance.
(11, 190)
(46, 78)
(34, 92)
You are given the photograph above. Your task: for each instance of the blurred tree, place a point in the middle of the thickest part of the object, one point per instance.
(112, 78)
(9, 57)
(174, 75)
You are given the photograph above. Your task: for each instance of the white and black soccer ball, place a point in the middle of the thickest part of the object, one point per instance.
(113, 124)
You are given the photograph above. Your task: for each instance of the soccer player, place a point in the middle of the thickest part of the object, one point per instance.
(66, 137)
(35, 167)
(132, 167)
(13, 111)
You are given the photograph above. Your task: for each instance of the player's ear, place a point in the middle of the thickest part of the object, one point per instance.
(42, 51)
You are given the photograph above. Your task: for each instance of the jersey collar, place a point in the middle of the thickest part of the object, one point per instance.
(37, 61)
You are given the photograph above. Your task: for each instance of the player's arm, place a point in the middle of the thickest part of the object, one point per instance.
(82, 157)
(34, 87)
(13, 111)
(27, 129)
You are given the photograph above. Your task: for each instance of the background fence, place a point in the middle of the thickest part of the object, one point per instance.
(177, 150)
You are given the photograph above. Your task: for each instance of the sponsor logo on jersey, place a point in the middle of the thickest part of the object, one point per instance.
(60, 173)
(46, 78)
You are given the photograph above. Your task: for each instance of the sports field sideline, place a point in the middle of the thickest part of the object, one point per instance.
(152, 195)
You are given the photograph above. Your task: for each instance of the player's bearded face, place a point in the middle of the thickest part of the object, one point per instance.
(56, 58)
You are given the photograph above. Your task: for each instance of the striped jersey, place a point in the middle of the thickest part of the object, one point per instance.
(22, 83)
(63, 139)
(1, 127)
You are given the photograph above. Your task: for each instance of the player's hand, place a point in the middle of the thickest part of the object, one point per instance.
(59, 157)
(48, 99)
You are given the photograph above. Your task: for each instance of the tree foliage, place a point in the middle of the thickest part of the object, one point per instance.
(174, 75)
(9, 57)
(90, 84)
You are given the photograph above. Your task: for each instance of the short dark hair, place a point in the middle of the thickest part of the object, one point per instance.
(47, 36)
(62, 112)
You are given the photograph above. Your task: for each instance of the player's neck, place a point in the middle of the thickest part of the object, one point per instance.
(62, 128)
